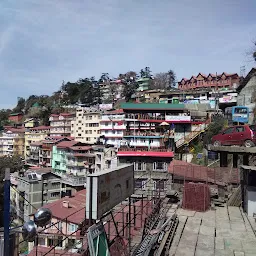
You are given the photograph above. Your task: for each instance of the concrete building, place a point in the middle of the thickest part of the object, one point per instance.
(213, 81)
(30, 122)
(45, 150)
(12, 142)
(144, 83)
(35, 134)
(86, 126)
(112, 127)
(16, 117)
(61, 124)
(72, 161)
(105, 157)
(246, 90)
(38, 187)
(67, 214)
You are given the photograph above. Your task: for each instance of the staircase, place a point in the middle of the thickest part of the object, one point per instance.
(188, 138)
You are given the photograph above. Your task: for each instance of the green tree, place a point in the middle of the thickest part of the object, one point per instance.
(15, 164)
(171, 79)
(130, 88)
(20, 105)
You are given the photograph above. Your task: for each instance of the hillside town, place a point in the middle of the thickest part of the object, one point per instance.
(189, 188)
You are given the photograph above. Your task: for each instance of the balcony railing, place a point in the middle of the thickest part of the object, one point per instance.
(146, 133)
(71, 179)
(141, 149)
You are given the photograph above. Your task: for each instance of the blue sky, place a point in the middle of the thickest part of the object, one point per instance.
(43, 42)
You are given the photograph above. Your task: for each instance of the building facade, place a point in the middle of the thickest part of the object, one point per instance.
(86, 126)
(12, 142)
(72, 161)
(60, 125)
(247, 96)
(38, 187)
(212, 81)
(35, 134)
(112, 127)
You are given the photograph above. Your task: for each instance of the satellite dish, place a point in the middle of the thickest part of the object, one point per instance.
(43, 217)
(29, 231)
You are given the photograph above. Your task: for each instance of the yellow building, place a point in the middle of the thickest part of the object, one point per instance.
(86, 126)
(12, 142)
(35, 134)
(30, 123)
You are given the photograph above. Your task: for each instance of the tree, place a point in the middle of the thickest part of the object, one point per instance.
(145, 73)
(16, 165)
(160, 81)
(171, 79)
(20, 105)
(254, 52)
(129, 89)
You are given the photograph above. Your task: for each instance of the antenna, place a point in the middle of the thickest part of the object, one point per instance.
(242, 71)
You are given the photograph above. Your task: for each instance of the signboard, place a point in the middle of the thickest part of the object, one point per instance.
(107, 189)
(97, 240)
(178, 118)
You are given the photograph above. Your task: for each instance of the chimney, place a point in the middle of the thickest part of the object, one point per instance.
(65, 204)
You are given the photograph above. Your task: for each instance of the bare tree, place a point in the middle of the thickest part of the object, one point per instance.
(164, 80)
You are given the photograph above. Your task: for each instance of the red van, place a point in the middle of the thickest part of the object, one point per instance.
(241, 135)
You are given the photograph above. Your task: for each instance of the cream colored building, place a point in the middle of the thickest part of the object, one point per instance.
(12, 142)
(85, 128)
(35, 134)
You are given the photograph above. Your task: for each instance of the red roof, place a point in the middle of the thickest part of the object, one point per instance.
(76, 211)
(66, 144)
(36, 143)
(41, 128)
(16, 130)
(40, 250)
(81, 147)
(145, 153)
(116, 111)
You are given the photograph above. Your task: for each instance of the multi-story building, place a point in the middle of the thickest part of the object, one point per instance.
(16, 117)
(72, 161)
(212, 81)
(112, 127)
(30, 122)
(247, 95)
(148, 138)
(61, 124)
(38, 187)
(45, 150)
(12, 142)
(35, 134)
(67, 214)
(34, 150)
(144, 83)
(105, 157)
(86, 126)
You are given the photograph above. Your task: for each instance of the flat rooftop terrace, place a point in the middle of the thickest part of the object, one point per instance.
(225, 231)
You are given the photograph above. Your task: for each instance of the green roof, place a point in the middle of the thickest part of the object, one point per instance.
(15, 114)
(152, 106)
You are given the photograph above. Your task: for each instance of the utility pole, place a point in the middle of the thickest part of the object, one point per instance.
(7, 212)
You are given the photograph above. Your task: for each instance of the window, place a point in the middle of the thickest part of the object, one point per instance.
(80, 121)
(55, 194)
(228, 131)
(240, 129)
(79, 134)
(55, 185)
(72, 227)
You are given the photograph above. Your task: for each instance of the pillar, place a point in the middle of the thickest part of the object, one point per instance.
(235, 160)
(245, 159)
(223, 159)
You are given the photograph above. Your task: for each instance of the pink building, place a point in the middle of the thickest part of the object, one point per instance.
(211, 81)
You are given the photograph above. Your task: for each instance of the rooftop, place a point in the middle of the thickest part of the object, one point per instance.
(67, 144)
(152, 106)
(38, 128)
(75, 213)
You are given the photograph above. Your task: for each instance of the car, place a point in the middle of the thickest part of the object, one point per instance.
(240, 135)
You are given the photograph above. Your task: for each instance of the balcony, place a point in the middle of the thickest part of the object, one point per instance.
(142, 149)
(144, 134)
(75, 163)
(71, 179)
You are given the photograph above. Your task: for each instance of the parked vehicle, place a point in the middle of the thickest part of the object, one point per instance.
(241, 135)
(240, 115)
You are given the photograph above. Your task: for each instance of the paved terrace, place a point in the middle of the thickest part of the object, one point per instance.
(221, 232)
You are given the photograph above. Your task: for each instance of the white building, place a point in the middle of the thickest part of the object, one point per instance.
(112, 127)
(60, 125)
(86, 126)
